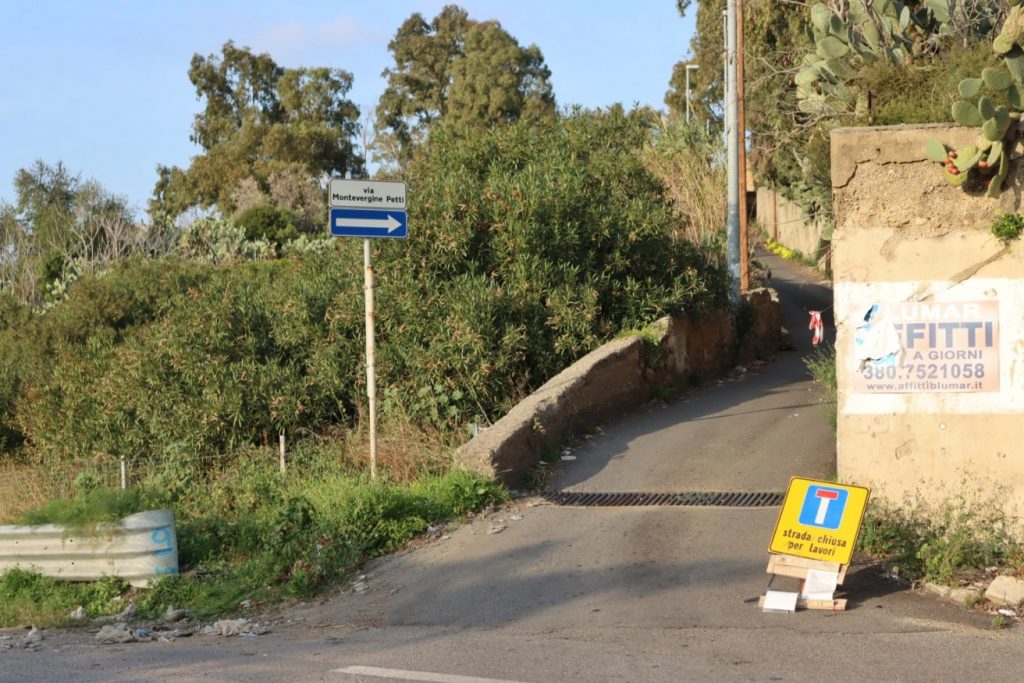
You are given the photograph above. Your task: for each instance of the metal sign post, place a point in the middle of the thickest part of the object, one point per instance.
(371, 356)
(369, 209)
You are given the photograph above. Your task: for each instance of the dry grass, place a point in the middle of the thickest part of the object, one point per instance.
(404, 451)
(691, 163)
(22, 488)
(28, 485)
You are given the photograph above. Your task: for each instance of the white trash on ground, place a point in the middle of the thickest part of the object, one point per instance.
(234, 627)
(116, 633)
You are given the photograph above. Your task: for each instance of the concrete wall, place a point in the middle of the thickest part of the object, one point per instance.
(951, 303)
(614, 378)
(786, 223)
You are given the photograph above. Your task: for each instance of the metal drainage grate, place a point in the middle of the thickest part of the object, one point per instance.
(757, 499)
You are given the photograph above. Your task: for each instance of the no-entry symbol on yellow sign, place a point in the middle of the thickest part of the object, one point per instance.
(819, 520)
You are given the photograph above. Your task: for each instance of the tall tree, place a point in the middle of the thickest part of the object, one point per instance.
(58, 222)
(453, 66)
(259, 117)
(495, 80)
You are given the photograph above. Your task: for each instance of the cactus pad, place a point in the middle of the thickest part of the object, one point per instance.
(966, 114)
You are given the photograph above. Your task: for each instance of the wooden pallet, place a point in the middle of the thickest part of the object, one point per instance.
(797, 567)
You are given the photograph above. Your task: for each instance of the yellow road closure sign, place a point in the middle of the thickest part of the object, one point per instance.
(819, 520)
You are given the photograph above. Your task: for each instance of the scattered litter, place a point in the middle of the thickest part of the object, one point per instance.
(496, 529)
(121, 618)
(445, 537)
(568, 458)
(248, 634)
(31, 639)
(78, 613)
(129, 612)
(116, 633)
(234, 627)
(1007, 612)
(516, 518)
(566, 451)
(246, 604)
(173, 615)
(360, 585)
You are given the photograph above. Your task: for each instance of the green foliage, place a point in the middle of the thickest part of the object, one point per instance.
(1008, 227)
(902, 95)
(29, 598)
(995, 103)
(963, 532)
(219, 241)
(457, 69)
(253, 533)
(822, 366)
(268, 223)
(259, 118)
(60, 227)
(873, 64)
(690, 161)
(534, 245)
(91, 507)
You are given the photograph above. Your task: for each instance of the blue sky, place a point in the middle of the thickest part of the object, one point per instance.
(102, 85)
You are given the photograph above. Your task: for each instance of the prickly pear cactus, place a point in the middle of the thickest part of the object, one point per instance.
(898, 32)
(994, 103)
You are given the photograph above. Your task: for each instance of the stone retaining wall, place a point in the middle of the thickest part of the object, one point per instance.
(614, 378)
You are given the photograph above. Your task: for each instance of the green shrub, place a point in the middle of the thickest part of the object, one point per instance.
(822, 365)
(1008, 227)
(91, 507)
(953, 534)
(269, 223)
(923, 94)
(28, 598)
(530, 247)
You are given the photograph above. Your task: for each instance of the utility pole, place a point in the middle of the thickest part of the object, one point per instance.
(741, 119)
(732, 154)
(689, 68)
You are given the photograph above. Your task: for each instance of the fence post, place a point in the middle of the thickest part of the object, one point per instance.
(124, 474)
(281, 450)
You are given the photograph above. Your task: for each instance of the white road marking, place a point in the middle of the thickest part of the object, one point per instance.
(402, 675)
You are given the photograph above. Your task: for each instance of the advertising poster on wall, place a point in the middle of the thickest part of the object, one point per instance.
(925, 347)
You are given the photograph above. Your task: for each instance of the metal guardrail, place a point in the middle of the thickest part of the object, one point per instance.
(141, 548)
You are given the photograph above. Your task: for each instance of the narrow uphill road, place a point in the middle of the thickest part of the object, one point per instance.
(538, 592)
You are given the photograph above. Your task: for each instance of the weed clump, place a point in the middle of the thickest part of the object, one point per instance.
(959, 535)
(259, 535)
(822, 366)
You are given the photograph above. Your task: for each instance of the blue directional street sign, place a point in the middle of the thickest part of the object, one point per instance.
(368, 208)
(369, 223)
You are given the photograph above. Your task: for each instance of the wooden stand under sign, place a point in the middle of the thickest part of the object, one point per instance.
(797, 567)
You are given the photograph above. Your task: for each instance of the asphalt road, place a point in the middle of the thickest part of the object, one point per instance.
(535, 592)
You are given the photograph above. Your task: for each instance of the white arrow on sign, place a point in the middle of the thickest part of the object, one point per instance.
(390, 223)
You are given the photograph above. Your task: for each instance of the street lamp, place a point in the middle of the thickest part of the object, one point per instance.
(689, 68)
